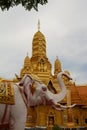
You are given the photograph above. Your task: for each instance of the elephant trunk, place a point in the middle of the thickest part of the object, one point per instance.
(62, 94)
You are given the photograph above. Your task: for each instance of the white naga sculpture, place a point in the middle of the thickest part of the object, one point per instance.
(29, 92)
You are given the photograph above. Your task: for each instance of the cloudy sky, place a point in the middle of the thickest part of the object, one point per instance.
(64, 24)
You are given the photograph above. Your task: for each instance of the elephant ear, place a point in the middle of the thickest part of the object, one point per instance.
(25, 79)
(51, 87)
(35, 78)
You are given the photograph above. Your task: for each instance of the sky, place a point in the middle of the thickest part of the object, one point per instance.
(64, 25)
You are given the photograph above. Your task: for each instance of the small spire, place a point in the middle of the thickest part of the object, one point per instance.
(38, 25)
(27, 53)
(56, 57)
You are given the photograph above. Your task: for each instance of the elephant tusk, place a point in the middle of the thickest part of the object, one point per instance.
(58, 106)
(71, 106)
(66, 107)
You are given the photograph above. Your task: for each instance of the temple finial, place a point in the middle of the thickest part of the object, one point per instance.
(56, 57)
(38, 25)
(27, 53)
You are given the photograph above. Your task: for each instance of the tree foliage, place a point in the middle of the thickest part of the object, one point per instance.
(27, 4)
(56, 127)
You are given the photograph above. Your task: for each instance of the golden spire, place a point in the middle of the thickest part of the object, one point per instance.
(56, 57)
(27, 53)
(38, 25)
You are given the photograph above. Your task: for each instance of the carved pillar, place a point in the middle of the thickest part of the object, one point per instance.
(31, 117)
(70, 122)
(69, 113)
(41, 115)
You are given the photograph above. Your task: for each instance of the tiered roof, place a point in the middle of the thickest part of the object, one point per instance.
(79, 95)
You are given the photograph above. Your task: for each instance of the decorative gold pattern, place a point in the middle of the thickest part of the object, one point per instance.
(6, 93)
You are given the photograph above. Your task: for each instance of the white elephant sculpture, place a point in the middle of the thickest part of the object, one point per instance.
(38, 93)
(31, 92)
(13, 117)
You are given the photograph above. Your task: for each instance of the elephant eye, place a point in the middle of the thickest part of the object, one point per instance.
(44, 88)
(20, 84)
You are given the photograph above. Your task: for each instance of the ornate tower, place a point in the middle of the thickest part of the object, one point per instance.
(38, 44)
(40, 63)
(57, 66)
(27, 67)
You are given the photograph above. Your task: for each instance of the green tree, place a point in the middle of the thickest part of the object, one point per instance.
(27, 4)
(56, 127)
